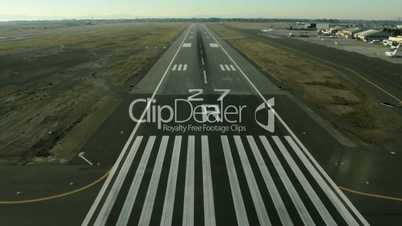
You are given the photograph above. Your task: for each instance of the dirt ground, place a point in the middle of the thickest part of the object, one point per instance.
(60, 81)
(349, 108)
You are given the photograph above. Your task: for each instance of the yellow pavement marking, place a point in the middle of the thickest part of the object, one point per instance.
(371, 195)
(100, 179)
(57, 196)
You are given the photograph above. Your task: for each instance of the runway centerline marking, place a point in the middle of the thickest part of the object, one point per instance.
(205, 77)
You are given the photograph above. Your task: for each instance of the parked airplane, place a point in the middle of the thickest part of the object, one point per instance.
(396, 53)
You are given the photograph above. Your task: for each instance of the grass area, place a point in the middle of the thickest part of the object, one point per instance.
(59, 82)
(323, 88)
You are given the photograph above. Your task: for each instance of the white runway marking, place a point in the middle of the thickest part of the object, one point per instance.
(320, 207)
(209, 208)
(187, 45)
(168, 205)
(301, 209)
(205, 77)
(146, 213)
(213, 45)
(111, 198)
(180, 67)
(330, 194)
(270, 184)
(255, 193)
(124, 216)
(188, 206)
(227, 67)
(240, 209)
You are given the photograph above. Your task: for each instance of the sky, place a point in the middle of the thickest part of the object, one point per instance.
(108, 9)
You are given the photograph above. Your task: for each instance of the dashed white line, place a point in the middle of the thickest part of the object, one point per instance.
(180, 66)
(205, 77)
(222, 67)
(174, 67)
(185, 67)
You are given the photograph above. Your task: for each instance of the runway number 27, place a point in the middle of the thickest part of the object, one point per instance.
(195, 94)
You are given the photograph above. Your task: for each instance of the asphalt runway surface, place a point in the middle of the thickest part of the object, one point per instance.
(212, 150)
(215, 143)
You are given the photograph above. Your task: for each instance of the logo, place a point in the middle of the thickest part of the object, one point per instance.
(266, 107)
(204, 113)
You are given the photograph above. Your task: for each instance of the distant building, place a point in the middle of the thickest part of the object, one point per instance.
(330, 31)
(399, 26)
(303, 26)
(348, 33)
(397, 39)
(322, 26)
(372, 34)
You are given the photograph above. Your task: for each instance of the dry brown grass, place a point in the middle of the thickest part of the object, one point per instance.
(67, 80)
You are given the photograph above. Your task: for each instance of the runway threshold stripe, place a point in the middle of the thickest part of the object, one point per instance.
(350, 220)
(188, 206)
(222, 67)
(112, 196)
(209, 207)
(232, 67)
(241, 214)
(269, 182)
(185, 67)
(262, 213)
(125, 212)
(146, 212)
(294, 196)
(180, 66)
(227, 67)
(174, 67)
(311, 193)
(168, 205)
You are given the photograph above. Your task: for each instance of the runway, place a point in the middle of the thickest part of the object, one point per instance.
(217, 143)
